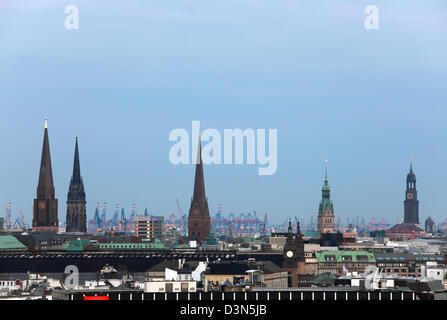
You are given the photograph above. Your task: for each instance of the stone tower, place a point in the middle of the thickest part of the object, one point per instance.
(326, 218)
(76, 211)
(290, 262)
(411, 203)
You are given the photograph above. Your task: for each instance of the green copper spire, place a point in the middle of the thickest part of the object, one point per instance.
(326, 181)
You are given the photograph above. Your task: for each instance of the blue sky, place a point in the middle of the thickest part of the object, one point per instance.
(135, 70)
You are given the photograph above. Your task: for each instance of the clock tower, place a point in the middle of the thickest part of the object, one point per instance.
(290, 262)
(326, 217)
(411, 203)
(45, 204)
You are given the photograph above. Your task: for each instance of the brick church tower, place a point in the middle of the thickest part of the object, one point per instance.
(199, 214)
(45, 204)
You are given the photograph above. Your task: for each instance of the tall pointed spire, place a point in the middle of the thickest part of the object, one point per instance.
(199, 215)
(76, 210)
(45, 205)
(326, 209)
(326, 180)
(45, 188)
(199, 181)
(76, 167)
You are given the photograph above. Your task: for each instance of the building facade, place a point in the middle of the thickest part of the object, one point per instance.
(45, 204)
(76, 211)
(326, 217)
(411, 203)
(342, 262)
(199, 216)
(150, 227)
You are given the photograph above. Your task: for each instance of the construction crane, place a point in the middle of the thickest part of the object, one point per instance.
(8, 207)
(97, 219)
(104, 214)
(264, 225)
(20, 221)
(182, 224)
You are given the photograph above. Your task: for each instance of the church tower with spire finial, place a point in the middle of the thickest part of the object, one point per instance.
(326, 217)
(76, 211)
(45, 204)
(411, 203)
(199, 215)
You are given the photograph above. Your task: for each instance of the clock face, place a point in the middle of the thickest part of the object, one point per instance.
(289, 254)
(42, 205)
(409, 196)
(195, 212)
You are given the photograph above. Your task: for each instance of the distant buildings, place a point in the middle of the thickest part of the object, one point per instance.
(341, 262)
(150, 227)
(430, 225)
(240, 275)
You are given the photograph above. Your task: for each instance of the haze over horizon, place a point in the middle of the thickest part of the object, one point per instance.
(367, 100)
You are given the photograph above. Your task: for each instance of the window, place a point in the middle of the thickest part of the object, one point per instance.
(238, 280)
(347, 258)
(362, 258)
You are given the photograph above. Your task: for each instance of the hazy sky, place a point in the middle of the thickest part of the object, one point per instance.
(367, 100)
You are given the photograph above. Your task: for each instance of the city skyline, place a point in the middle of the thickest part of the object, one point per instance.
(140, 211)
(366, 100)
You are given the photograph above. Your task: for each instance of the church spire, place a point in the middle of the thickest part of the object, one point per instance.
(199, 181)
(76, 167)
(76, 210)
(45, 187)
(199, 215)
(45, 204)
(326, 180)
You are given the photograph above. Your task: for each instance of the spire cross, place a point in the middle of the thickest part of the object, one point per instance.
(46, 122)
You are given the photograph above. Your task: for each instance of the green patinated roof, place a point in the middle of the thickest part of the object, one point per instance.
(211, 240)
(345, 256)
(10, 242)
(326, 186)
(310, 233)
